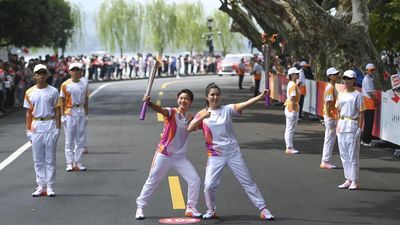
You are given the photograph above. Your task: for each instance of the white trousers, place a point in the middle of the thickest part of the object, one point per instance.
(235, 161)
(75, 138)
(44, 157)
(160, 167)
(349, 149)
(329, 140)
(291, 124)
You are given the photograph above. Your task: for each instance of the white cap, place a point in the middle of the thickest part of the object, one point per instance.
(303, 63)
(39, 67)
(293, 70)
(370, 66)
(349, 74)
(331, 71)
(73, 65)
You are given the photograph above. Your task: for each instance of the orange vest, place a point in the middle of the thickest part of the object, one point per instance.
(369, 103)
(257, 76)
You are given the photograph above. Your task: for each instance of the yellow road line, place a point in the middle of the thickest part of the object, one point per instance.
(159, 116)
(163, 86)
(176, 193)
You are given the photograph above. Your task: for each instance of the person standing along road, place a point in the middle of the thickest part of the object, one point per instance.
(171, 153)
(301, 83)
(292, 109)
(330, 119)
(42, 129)
(223, 149)
(257, 71)
(351, 116)
(241, 71)
(370, 102)
(74, 93)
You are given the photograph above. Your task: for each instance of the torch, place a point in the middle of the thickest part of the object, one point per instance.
(266, 47)
(148, 90)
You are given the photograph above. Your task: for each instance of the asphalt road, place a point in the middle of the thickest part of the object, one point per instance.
(121, 149)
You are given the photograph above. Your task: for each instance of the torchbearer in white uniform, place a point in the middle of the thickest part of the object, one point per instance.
(292, 109)
(350, 105)
(171, 153)
(74, 93)
(224, 150)
(42, 129)
(330, 119)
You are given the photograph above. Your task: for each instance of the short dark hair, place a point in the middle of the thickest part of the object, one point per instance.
(186, 91)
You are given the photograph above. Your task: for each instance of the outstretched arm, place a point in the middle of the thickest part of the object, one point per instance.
(155, 107)
(243, 105)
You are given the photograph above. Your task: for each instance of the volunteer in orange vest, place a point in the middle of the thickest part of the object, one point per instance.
(301, 83)
(330, 119)
(257, 71)
(291, 109)
(42, 129)
(74, 93)
(241, 71)
(370, 103)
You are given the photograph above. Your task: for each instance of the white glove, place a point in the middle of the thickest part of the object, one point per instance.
(29, 135)
(63, 119)
(86, 119)
(57, 133)
(358, 133)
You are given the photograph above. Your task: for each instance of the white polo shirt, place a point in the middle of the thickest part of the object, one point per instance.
(350, 104)
(42, 102)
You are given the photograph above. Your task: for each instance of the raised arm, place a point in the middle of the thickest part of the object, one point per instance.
(243, 105)
(195, 123)
(155, 107)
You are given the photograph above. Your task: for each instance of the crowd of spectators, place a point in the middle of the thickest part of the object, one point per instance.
(16, 73)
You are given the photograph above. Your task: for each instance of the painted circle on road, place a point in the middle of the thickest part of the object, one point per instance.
(180, 220)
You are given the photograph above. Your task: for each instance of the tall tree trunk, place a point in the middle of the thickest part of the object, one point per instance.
(309, 30)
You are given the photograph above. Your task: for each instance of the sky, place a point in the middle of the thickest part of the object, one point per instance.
(91, 7)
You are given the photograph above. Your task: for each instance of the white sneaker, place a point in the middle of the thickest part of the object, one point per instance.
(266, 214)
(192, 212)
(50, 192)
(354, 186)
(40, 191)
(292, 151)
(69, 167)
(345, 185)
(80, 167)
(210, 214)
(139, 214)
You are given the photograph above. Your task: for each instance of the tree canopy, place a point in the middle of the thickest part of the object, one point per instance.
(119, 25)
(310, 30)
(41, 23)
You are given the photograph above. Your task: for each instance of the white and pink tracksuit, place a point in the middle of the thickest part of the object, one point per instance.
(223, 149)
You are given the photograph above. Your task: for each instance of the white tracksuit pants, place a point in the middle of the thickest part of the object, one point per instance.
(235, 161)
(160, 167)
(44, 157)
(291, 123)
(330, 138)
(75, 137)
(349, 149)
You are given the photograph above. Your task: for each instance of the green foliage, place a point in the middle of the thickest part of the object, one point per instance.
(191, 24)
(385, 26)
(40, 23)
(225, 39)
(119, 25)
(162, 22)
